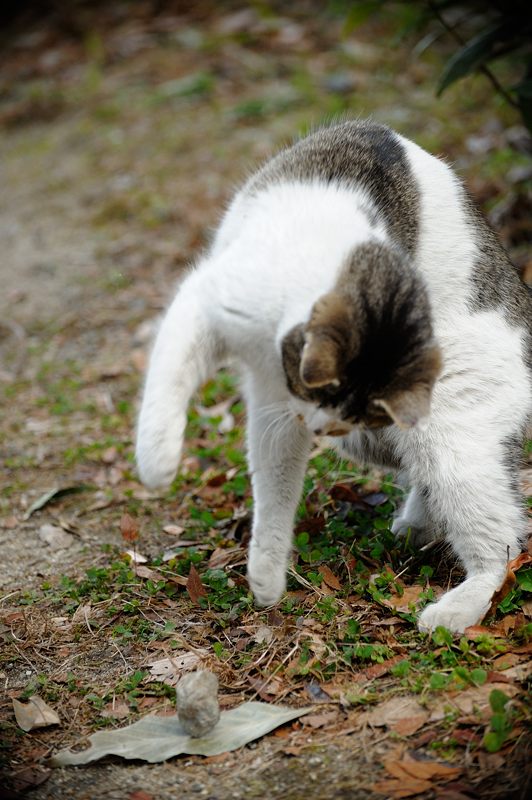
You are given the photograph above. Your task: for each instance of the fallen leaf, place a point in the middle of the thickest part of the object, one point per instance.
(428, 770)
(320, 720)
(526, 608)
(149, 574)
(409, 597)
(394, 711)
(81, 614)
(520, 672)
(55, 537)
(115, 711)
(345, 493)
(509, 581)
(265, 687)
(174, 530)
(263, 635)
(135, 557)
(410, 725)
(505, 661)
(377, 670)
(156, 738)
(402, 788)
(222, 556)
(474, 631)
(29, 777)
(471, 702)
(129, 528)
(139, 795)
(34, 714)
(195, 588)
(169, 670)
(329, 577)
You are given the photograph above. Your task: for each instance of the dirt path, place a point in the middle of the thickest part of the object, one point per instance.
(119, 150)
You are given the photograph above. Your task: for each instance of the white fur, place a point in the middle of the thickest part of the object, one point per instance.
(274, 255)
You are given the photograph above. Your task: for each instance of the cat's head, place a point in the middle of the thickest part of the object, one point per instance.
(366, 356)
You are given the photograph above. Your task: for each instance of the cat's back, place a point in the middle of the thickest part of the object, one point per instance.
(413, 196)
(360, 155)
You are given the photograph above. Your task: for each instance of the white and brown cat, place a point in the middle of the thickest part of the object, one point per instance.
(363, 297)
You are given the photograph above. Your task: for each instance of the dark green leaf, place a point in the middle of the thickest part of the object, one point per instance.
(475, 53)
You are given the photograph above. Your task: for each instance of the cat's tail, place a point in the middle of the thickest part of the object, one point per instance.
(186, 352)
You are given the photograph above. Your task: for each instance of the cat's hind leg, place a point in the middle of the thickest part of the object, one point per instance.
(278, 449)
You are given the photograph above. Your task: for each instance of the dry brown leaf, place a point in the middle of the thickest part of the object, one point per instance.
(170, 670)
(377, 670)
(149, 574)
(266, 688)
(410, 725)
(509, 581)
(263, 635)
(329, 577)
(428, 770)
(129, 528)
(320, 720)
(520, 672)
(409, 597)
(505, 661)
(29, 777)
(394, 711)
(401, 788)
(473, 631)
(81, 614)
(195, 588)
(34, 714)
(115, 710)
(222, 556)
(471, 702)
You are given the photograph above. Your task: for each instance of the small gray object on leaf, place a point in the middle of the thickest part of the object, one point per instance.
(197, 702)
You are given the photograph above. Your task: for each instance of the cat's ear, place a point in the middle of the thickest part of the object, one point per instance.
(410, 407)
(407, 409)
(319, 362)
(328, 342)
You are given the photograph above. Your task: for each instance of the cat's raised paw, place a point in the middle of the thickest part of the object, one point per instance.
(158, 450)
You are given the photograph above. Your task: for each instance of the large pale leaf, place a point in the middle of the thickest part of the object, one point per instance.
(156, 738)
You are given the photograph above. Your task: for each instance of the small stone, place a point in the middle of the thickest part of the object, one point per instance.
(197, 702)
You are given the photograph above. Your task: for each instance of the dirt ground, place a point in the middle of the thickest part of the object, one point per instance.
(120, 147)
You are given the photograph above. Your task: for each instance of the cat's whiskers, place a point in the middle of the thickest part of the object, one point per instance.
(278, 432)
(275, 421)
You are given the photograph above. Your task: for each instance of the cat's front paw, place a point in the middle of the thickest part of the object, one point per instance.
(266, 577)
(465, 605)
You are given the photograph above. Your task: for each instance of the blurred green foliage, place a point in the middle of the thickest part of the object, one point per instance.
(483, 32)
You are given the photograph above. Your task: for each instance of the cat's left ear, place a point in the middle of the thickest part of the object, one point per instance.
(410, 408)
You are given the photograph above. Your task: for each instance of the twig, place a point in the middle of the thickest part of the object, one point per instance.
(423, 549)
